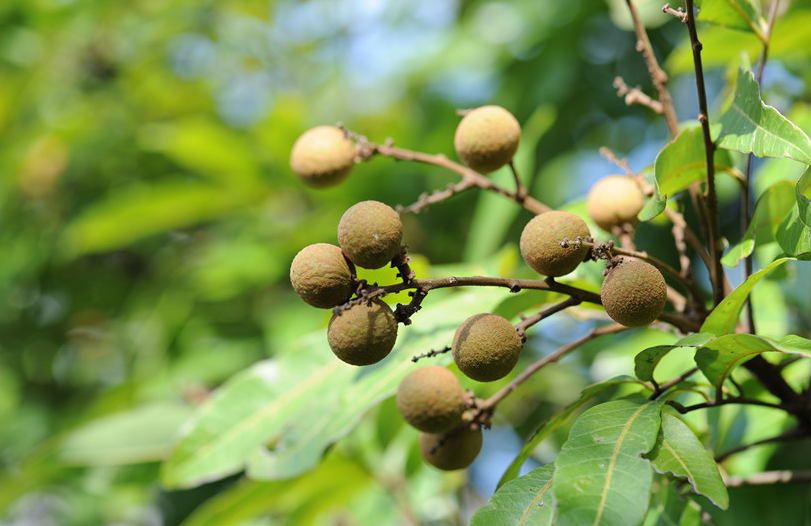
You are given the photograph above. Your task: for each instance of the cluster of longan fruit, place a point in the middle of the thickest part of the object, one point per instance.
(486, 347)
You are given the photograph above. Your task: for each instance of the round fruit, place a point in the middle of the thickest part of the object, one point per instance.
(363, 334)
(540, 242)
(615, 200)
(370, 234)
(454, 450)
(431, 399)
(322, 156)
(486, 347)
(321, 276)
(634, 293)
(487, 138)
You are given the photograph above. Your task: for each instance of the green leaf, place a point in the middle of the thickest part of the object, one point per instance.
(557, 420)
(143, 434)
(792, 235)
(655, 205)
(273, 398)
(750, 126)
(723, 319)
(301, 446)
(313, 493)
(678, 451)
(526, 500)
(682, 162)
(129, 215)
(600, 478)
(718, 358)
(646, 361)
(803, 192)
(771, 208)
(737, 14)
(206, 148)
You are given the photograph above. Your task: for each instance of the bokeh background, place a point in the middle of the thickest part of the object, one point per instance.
(148, 214)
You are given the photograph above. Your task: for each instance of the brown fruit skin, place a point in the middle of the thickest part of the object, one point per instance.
(459, 448)
(364, 334)
(322, 157)
(540, 242)
(634, 293)
(321, 276)
(431, 399)
(487, 138)
(615, 200)
(370, 234)
(486, 347)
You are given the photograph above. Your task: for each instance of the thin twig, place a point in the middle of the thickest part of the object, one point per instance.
(635, 95)
(470, 178)
(520, 190)
(793, 434)
(714, 240)
(660, 389)
(746, 193)
(657, 74)
(529, 321)
(768, 477)
(489, 405)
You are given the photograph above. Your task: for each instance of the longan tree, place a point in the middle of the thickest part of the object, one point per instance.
(640, 452)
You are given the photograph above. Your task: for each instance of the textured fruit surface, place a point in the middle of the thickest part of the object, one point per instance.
(487, 138)
(321, 276)
(634, 293)
(364, 334)
(540, 242)
(486, 347)
(431, 399)
(458, 449)
(370, 233)
(322, 156)
(614, 200)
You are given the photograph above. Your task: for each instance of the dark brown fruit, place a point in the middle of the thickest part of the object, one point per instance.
(431, 399)
(322, 156)
(487, 138)
(370, 234)
(615, 200)
(486, 347)
(320, 275)
(634, 293)
(456, 450)
(540, 242)
(363, 334)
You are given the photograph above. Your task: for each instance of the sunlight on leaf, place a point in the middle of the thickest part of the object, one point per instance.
(525, 501)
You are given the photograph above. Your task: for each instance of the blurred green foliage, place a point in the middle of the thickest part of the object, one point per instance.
(148, 217)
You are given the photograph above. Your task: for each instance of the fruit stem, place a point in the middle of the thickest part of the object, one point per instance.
(470, 178)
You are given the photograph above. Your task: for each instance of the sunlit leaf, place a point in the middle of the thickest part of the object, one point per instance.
(683, 162)
(750, 126)
(600, 477)
(723, 319)
(556, 421)
(301, 447)
(792, 235)
(738, 14)
(678, 451)
(526, 500)
(770, 210)
(143, 434)
(272, 399)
